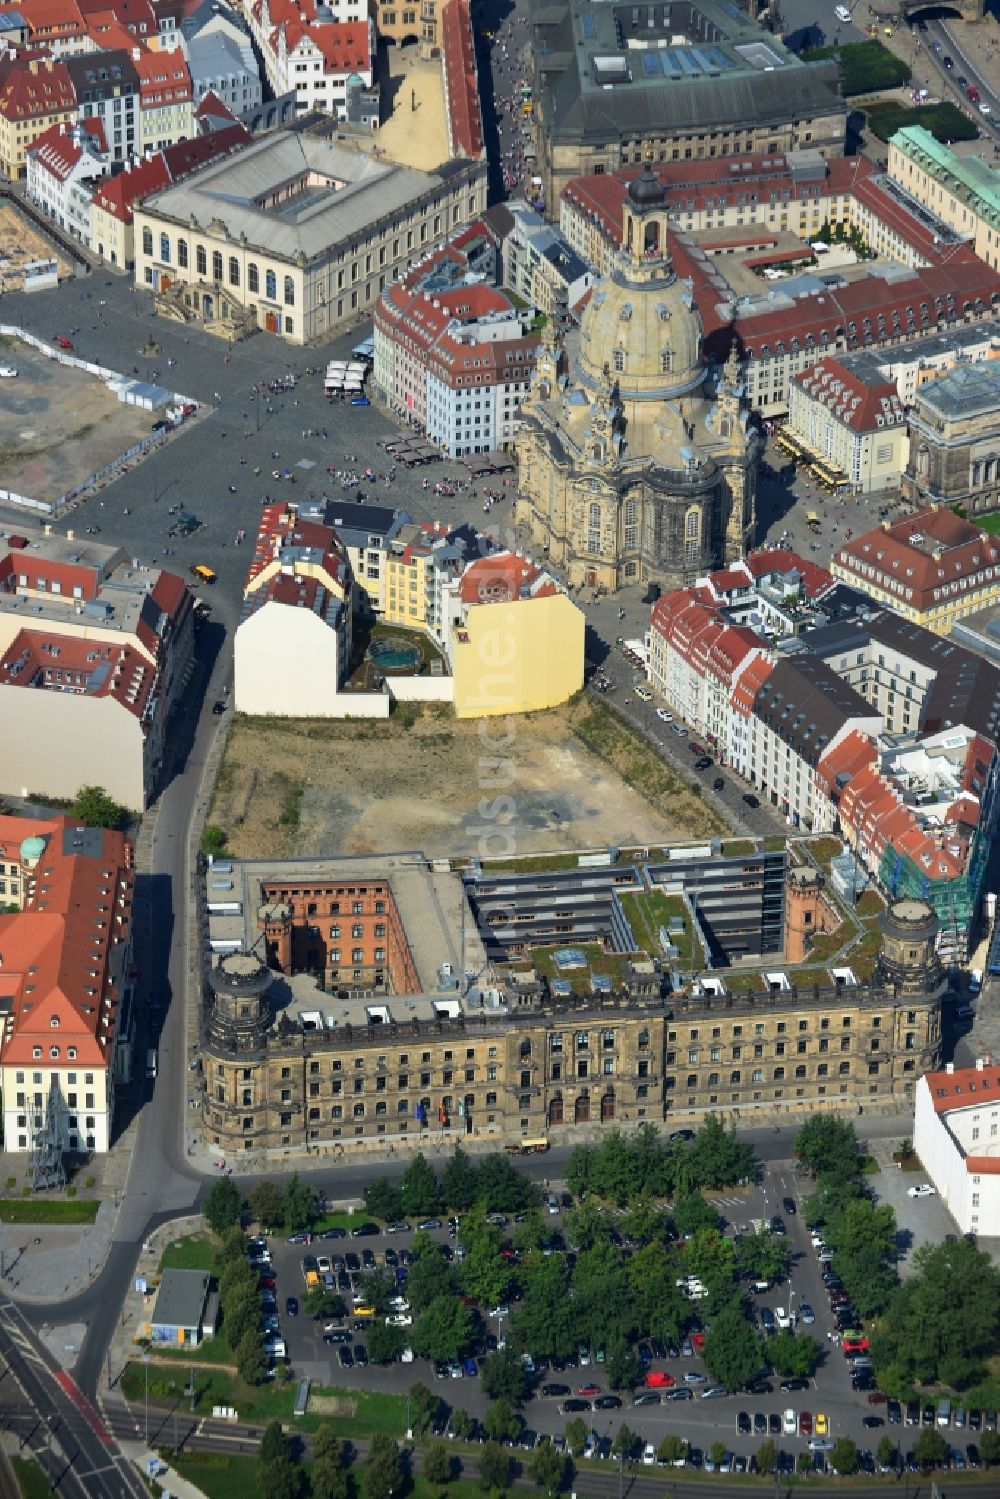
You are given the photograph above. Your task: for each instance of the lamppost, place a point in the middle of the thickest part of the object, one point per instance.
(145, 1366)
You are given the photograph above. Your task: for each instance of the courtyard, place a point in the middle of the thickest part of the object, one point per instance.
(58, 425)
(423, 780)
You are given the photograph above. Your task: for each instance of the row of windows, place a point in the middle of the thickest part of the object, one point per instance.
(218, 266)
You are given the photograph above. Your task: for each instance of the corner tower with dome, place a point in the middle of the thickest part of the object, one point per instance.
(635, 462)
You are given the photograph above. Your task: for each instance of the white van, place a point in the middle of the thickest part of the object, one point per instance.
(151, 1062)
(842, 13)
(643, 693)
(649, 1454)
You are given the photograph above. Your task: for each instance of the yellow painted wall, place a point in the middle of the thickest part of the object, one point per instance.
(518, 657)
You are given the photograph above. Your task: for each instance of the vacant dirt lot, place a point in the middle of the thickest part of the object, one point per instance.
(446, 787)
(20, 242)
(58, 425)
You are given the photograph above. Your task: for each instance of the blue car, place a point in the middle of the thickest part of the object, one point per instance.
(360, 401)
(291, 1306)
(469, 1365)
(401, 1274)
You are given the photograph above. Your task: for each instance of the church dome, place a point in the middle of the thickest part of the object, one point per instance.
(32, 849)
(641, 323)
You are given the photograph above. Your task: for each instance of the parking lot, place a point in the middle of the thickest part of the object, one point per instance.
(672, 1399)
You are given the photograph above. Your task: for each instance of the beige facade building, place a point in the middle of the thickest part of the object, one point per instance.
(302, 234)
(629, 467)
(962, 191)
(372, 1063)
(847, 416)
(618, 85)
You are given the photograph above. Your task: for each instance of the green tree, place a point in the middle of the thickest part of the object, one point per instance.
(624, 1442)
(232, 1244)
(989, 1447)
(501, 1188)
(886, 1451)
(274, 1444)
(327, 1446)
(240, 1315)
(504, 1377)
(733, 1353)
(436, 1463)
(283, 1479)
(767, 1457)
(443, 1330)
(385, 1342)
(299, 1204)
(424, 1406)
(236, 1272)
(430, 1276)
(93, 806)
(501, 1421)
(461, 1423)
(828, 1145)
(718, 1158)
(544, 1321)
(223, 1205)
(661, 1309)
(621, 1365)
(763, 1256)
(383, 1199)
(672, 1449)
(709, 1255)
(549, 1469)
(320, 1302)
(251, 1358)
(576, 1435)
(494, 1466)
(717, 1452)
(844, 1456)
(788, 1354)
(692, 1213)
(930, 1447)
(459, 1182)
(485, 1275)
(266, 1205)
(213, 840)
(379, 1287)
(804, 1464)
(943, 1322)
(382, 1474)
(419, 1189)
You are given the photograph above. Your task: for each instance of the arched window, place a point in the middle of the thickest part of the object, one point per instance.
(289, 292)
(182, 253)
(271, 285)
(200, 260)
(216, 266)
(630, 518)
(234, 271)
(165, 248)
(595, 516)
(619, 359)
(147, 241)
(253, 278)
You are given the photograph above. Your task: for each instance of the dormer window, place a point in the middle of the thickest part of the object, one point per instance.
(71, 1053)
(54, 1022)
(36, 1052)
(54, 1053)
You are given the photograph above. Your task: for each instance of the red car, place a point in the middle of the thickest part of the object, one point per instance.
(855, 1345)
(698, 1342)
(806, 1423)
(64, 343)
(877, 1398)
(588, 1390)
(656, 1379)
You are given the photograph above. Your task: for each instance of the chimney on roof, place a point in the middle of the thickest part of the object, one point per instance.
(980, 1063)
(949, 1067)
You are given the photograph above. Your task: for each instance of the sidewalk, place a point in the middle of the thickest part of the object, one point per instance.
(168, 1478)
(136, 1307)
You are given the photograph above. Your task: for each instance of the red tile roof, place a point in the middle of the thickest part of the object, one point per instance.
(54, 662)
(854, 403)
(281, 534)
(963, 1087)
(34, 87)
(59, 149)
(461, 80)
(948, 553)
(60, 979)
(164, 78)
(503, 577)
(119, 195)
(816, 580)
(436, 326)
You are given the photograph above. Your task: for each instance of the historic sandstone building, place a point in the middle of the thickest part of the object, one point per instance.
(632, 466)
(304, 1053)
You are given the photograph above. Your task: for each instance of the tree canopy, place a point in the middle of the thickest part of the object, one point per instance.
(943, 1322)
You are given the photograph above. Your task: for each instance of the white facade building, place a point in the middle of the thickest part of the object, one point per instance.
(956, 1134)
(63, 166)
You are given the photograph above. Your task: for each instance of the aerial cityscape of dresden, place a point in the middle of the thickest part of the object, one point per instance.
(500, 767)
